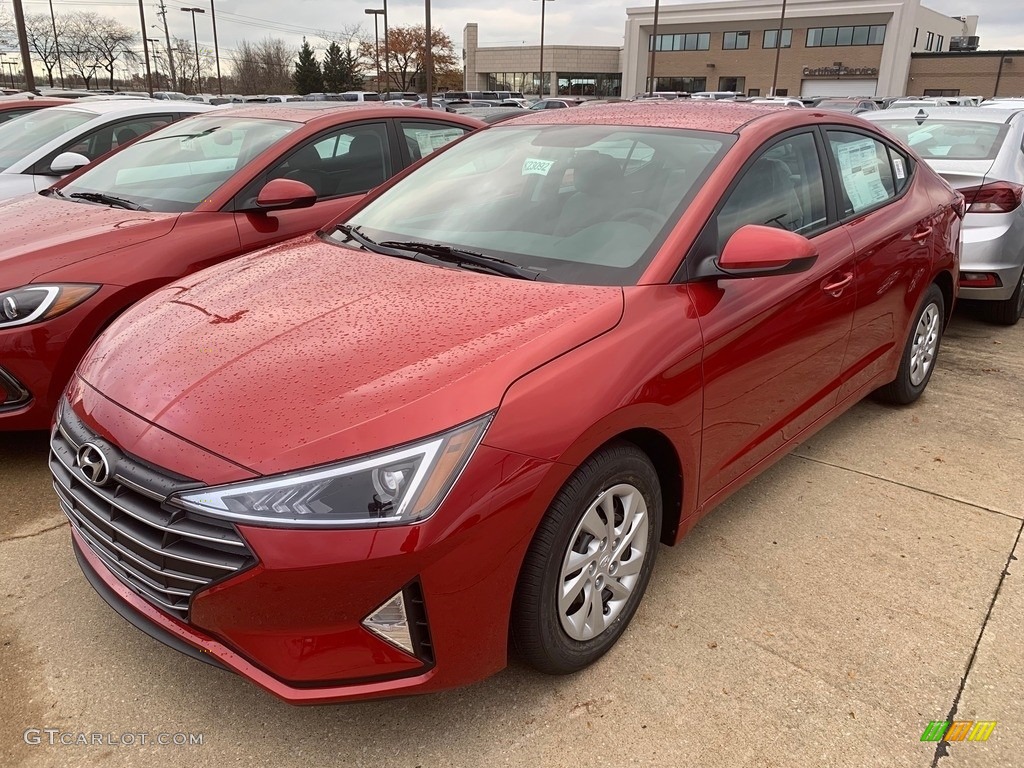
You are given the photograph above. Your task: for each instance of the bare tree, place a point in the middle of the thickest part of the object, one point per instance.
(189, 79)
(113, 42)
(41, 39)
(264, 66)
(78, 48)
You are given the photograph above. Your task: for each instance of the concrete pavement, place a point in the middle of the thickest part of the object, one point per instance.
(863, 587)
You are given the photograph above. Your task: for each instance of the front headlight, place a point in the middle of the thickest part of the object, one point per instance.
(33, 303)
(397, 486)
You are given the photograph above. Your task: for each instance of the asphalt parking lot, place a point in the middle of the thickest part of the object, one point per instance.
(868, 584)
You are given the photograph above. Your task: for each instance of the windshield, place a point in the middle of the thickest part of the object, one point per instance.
(179, 166)
(24, 135)
(949, 139)
(579, 204)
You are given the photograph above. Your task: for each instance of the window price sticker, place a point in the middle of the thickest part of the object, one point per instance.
(536, 167)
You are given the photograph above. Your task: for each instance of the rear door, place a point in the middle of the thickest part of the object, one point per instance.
(341, 165)
(773, 346)
(893, 222)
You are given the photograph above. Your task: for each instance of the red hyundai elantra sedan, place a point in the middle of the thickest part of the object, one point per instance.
(356, 464)
(183, 198)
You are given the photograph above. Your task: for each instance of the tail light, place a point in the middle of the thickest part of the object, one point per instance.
(996, 197)
(980, 280)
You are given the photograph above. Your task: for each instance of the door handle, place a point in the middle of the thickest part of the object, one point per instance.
(921, 234)
(836, 288)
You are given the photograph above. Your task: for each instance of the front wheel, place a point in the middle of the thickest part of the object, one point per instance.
(589, 563)
(920, 352)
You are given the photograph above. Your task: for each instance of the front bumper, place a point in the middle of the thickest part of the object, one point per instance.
(993, 244)
(292, 623)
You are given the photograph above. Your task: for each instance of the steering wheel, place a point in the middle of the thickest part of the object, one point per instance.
(649, 218)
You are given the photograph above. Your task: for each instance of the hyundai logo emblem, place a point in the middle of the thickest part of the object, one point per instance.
(93, 464)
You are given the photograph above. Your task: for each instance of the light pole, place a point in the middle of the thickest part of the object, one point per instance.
(156, 58)
(376, 12)
(540, 88)
(654, 48)
(56, 45)
(26, 53)
(778, 46)
(195, 37)
(145, 50)
(428, 59)
(387, 63)
(216, 49)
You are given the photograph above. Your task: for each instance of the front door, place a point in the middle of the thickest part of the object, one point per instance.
(773, 346)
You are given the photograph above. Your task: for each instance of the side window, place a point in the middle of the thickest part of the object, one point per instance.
(900, 169)
(783, 188)
(109, 137)
(347, 161)
(424, 138)
(865, 173)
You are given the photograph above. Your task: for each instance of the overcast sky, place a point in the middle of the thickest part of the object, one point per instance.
(502, 22)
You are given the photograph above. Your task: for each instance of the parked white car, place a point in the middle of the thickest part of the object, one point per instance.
(38, 148)
(978, 151)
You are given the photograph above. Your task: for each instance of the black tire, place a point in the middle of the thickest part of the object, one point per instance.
(902, 390)
(536, 623)
(1008, 312)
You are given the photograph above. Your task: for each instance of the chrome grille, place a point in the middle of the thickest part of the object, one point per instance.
(163, 553)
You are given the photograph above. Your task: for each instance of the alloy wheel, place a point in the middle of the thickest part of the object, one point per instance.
(603, 563)
(926, 343)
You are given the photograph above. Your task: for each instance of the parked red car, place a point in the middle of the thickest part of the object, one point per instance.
(184, 197)
(12, 107)
(354, 464)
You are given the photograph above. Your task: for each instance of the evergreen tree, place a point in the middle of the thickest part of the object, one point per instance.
(334, 70)
(307, 78)
(350, 66)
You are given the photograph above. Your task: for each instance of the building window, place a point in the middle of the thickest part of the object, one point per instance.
(941, 91)
(771, 35)
(938, 43)
(929, 41)
(736, 84)
(782, 91)
(829, 37)
(735, 41)
(680, 84)
(693, 41)
(753, 92)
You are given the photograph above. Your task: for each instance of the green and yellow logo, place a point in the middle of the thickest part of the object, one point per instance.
(958, 730)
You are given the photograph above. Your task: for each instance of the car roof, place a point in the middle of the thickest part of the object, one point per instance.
(135, 106)
(991, 115)
(308, 111)
(701, 115)
(38, 101)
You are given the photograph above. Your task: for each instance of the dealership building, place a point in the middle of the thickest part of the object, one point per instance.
(822, 47)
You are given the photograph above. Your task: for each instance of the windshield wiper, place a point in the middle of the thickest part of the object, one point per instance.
(99, 197)
(462, 257)
(438, 253)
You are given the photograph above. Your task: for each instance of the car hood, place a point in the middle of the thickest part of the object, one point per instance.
(308, 352)
(41, 234)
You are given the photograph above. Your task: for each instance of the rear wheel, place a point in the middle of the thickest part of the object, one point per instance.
(1009, 311)
(589, 563)
(919, 353)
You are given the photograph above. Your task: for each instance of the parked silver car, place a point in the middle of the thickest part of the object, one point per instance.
(980, 152)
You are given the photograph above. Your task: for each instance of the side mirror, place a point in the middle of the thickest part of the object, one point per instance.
(66, 162)
(285, 194)
(758, 251)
